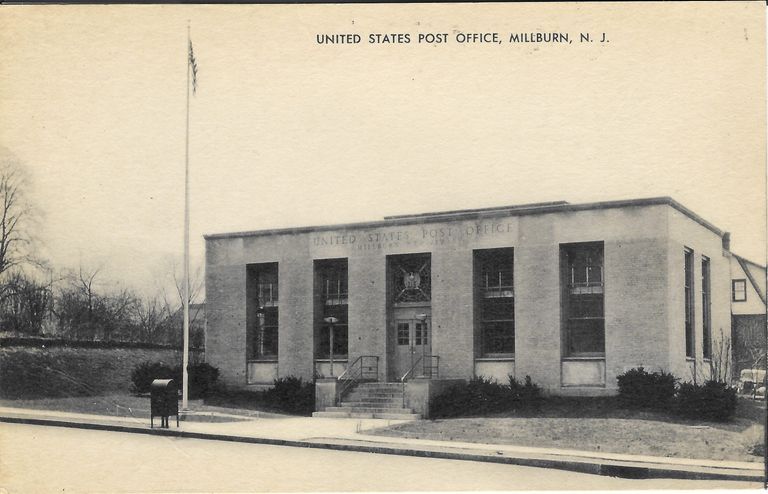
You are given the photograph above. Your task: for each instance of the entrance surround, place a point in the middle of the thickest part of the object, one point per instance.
(410, 339)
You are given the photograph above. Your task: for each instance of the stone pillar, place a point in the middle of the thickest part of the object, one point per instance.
(296, 325)
(452, 313)
(326, 393)
(537, 305)
(367, 309)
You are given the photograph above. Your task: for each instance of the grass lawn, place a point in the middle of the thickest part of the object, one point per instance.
(121, 405)
(599, 424)
(116, 405)
(27, 372)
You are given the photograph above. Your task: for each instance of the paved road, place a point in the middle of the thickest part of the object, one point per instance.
(53, 459)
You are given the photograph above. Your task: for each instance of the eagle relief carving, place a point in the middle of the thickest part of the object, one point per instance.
(412, 280)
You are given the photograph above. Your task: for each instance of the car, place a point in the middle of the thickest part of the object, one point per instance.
(751, 381)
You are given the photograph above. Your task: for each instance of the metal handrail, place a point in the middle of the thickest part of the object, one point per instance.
(434, 370)
(405, 376)
(349, 367)
(430, 371)
(358, 371)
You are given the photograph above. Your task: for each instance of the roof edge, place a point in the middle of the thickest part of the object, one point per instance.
(748, 261)
(479, 214)
(751, 278)
(459, 212)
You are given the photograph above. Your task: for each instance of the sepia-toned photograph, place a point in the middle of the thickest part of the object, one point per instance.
(440, 247)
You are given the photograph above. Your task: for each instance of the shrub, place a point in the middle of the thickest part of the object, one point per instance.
(713, 400)
(453, 402)
(757, 448)
(203, 379)
(292, 395)
(642, 389)
(527, 392)
(481, 396)
(146, 372)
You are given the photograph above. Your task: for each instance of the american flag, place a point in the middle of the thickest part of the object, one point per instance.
(193, 65)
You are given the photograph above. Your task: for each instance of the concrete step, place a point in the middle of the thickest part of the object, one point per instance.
(380, 386)
(388, 416)
(397, 416)
(375, 399)
(382, 393)
(377, 394)
(374, 404)
(369, 409)
(368, 399)
(342, 415)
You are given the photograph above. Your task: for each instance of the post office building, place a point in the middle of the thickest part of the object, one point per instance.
(569, 294)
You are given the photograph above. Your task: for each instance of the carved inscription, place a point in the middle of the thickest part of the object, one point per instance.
(416, 235)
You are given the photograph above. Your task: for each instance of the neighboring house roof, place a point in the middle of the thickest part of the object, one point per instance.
(743, 263)
(194, 310)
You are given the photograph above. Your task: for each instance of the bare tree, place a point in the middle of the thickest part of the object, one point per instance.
(16, 214)
(117, 313)
(749, 344)
(174, 305)
(85, 281)
(25, 306)
(152, 320)
(195, 286)
(90, 309)
(720, 361)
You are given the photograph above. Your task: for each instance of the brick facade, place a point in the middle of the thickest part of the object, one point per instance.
(642, 242)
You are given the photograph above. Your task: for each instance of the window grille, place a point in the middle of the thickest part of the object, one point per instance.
(333, 297)
(496, 302)
(689, 305)
(267, 294)
(584, 313)
(706, 308)
(263, 313)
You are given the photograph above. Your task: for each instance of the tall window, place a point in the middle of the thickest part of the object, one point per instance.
(689, 347)
(331, 294)
(705, 308)
(262, 311)
(583, 308)
(495, 301)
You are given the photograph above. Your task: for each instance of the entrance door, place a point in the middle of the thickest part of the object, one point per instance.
(413, 341)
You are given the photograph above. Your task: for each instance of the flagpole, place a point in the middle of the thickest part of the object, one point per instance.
(185, 364)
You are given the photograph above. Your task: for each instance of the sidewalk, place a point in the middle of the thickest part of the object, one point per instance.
(349, 435)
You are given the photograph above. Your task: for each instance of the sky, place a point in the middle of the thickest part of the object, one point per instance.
(285, 131)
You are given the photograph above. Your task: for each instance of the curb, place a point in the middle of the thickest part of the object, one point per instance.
(609, 468)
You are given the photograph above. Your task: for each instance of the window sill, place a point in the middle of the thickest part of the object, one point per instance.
(505, 358)
(270, 360)
(425, 303)
(340, 359)
(584, 357)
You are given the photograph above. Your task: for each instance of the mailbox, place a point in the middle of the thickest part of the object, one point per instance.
(164, 401)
